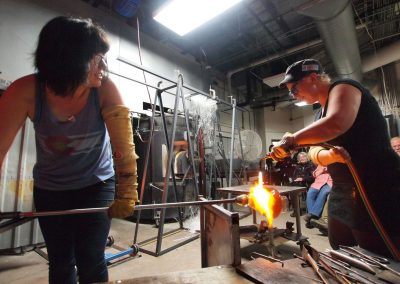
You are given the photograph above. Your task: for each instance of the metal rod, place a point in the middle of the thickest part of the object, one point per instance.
(10, 215)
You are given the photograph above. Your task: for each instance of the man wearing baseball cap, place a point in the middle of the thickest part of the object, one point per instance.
(350, 114)
(299, 69)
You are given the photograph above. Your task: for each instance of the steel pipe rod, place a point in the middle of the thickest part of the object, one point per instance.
(33, 214)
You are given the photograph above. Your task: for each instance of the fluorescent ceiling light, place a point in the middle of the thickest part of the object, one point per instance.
(300, 104)
(182, 16)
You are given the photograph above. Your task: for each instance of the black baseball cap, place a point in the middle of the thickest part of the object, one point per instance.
(300, 69)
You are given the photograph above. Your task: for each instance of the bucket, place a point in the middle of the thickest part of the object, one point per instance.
(126, 8)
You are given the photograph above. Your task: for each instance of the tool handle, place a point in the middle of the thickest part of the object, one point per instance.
(313, 264)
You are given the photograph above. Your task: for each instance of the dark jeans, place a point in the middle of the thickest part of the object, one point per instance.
(76, 240)
(316, 199)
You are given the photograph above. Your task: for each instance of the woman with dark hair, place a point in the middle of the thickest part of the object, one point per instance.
(352, 122)
(76, 110)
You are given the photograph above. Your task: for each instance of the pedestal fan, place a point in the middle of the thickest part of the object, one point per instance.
(251, 145)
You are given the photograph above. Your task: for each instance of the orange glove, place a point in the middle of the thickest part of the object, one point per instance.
(281, 151)
(119, 127)
(121, 208)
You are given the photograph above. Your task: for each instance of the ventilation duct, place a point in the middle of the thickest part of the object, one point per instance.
(335, 23)
(382, 57)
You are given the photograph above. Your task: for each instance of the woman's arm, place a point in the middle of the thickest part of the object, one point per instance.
(16, 104)
(343, 104)
(118, 121)
(109, 94)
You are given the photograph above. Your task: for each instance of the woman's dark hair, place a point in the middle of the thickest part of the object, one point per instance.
(66, 46)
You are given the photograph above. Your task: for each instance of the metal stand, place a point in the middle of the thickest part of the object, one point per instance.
(169, 169)
(158, 96)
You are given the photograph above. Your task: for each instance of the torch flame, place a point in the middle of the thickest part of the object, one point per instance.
(266, 201)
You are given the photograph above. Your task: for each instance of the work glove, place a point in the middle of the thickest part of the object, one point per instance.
(119, 126)
(121, 208)
(281, 150)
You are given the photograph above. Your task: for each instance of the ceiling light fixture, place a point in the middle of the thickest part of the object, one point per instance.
(183, 16)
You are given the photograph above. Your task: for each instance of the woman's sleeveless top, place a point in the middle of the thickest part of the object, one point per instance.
(73, 154)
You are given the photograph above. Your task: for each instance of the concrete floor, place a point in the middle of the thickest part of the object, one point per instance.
(32, 268)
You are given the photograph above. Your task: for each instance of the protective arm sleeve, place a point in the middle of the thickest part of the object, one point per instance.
(313, 154)
(324, 157)
(119, 126)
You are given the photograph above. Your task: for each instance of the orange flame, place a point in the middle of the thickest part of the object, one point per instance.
(266, 201)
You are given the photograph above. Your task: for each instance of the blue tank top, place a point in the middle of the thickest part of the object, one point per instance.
(73, 154)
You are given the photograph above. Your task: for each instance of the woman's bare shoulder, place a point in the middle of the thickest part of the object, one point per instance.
(22, 93)
(23, 87)
(109, 94)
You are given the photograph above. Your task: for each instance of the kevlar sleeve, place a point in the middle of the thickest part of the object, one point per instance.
(119, 126)
(313, 154)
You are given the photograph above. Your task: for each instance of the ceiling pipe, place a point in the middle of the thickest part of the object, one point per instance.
(335, 23)
(284, 53)
(381, 57)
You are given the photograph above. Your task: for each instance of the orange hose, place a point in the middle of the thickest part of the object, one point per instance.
(375, 219)
(368, 205)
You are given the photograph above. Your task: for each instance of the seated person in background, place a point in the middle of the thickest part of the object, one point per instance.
(302, 176)
(284, 171)
(317, 194)
(395, 142)
(303, 171)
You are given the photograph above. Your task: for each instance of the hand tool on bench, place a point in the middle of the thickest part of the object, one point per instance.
(374, 260)
(347, 268)
(316, 256)
(314, 265)
(352, 261)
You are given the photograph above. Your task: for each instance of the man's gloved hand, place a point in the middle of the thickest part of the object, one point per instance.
(121, 208)
(281, 151)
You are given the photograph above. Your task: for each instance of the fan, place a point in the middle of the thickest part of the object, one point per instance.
(251, 145)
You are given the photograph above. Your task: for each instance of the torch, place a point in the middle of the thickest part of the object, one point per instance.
(268, 202)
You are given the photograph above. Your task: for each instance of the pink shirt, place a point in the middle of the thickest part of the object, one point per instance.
(322, 177)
